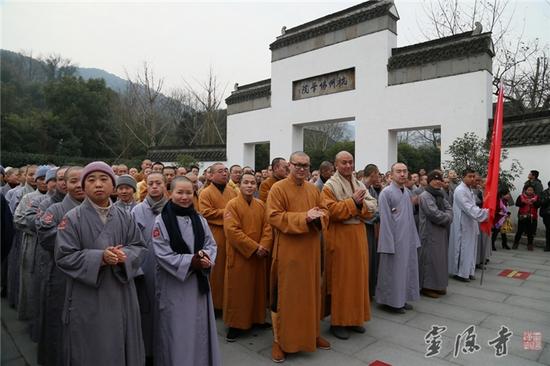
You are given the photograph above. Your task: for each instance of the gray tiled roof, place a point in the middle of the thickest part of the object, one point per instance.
(525, 130)
(200, 153)
(333, 22)
(446, 48)
(250, 91)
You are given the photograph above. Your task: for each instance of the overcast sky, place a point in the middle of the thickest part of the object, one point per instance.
(181, 40)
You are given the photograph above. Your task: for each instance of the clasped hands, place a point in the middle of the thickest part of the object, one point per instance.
(114, 255)
(359, 196)
(262, 252)
(200, 261)
(314, 214)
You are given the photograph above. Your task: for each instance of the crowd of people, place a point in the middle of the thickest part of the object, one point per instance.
(118, 266)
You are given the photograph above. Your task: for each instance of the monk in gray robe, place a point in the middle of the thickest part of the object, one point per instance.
(397, 244)
(465, 229)
(435, 215)
(41, 260)
(100, 250)
(27, 185)
(185, 251)
(28, 299)
(144, 215)
(50, 349)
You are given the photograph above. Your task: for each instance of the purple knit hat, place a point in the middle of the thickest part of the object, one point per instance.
(97, 166)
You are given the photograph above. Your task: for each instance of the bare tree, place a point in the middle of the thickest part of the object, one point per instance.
(320, 137)
(198, 113)
(430, 136)
(143, 108)
(207, 99)
(521, 64)
(57, 67)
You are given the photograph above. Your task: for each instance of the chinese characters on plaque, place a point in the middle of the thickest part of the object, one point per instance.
(330, 83)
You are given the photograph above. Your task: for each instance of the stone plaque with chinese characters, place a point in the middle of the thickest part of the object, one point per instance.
(330, 83)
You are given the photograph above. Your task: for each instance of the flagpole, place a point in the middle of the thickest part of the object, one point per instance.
(493, 169)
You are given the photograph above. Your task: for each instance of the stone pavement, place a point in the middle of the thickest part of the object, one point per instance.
(520, 305)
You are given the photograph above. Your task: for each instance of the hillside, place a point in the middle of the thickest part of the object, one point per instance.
(38, 70)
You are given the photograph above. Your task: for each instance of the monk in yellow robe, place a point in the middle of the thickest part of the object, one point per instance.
(249, 242)
(297, 213)
(280, 171)
(212, 202)
(347, 258)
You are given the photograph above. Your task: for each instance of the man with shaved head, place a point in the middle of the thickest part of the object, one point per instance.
(326, 170)
(212, 202)
(397, 244)
(279, 171)
(298, 214)
(347, 257)
(195, 181)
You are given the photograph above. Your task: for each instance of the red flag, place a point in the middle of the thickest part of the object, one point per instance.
(491, 186)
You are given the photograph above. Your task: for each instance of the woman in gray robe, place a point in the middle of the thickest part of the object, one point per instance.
(100, 250)
(186, 322)
(101, 313)
(435, 216)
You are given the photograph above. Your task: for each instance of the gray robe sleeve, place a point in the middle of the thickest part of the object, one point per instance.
(80, 264)
(135, 250)
(434, 214)
(386, 242)
(19, 215)
(31, 213)
(47, 230)
(178, 265)
(468, 205)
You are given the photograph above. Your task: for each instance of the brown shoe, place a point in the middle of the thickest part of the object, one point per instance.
(322, 343)
(277, 354)
(441, 292)
(530, 247)
(429, 293)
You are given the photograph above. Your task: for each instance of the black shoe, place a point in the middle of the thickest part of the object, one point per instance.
(461, 279)
(493, 247)
(232, 334)
(515, 246)
(391, 309)
(472, 278)
(407, 306)
(547, 249)
(505, 246)
(357, 329)
(262, 325)
(339, 332)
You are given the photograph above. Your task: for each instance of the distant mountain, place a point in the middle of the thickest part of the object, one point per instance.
(114, 82)
(36, 70)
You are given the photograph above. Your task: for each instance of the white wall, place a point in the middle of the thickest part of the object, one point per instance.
(458, 104)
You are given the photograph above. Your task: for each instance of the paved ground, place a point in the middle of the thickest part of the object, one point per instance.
(520, 305)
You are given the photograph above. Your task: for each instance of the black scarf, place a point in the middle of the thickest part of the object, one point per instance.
(221, 187)
(170, 212)
(438, 195)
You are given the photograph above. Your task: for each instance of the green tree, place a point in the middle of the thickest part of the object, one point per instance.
(419, 157)
(261, 157)
(186, 160)
(473, 151)
(83, 112)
